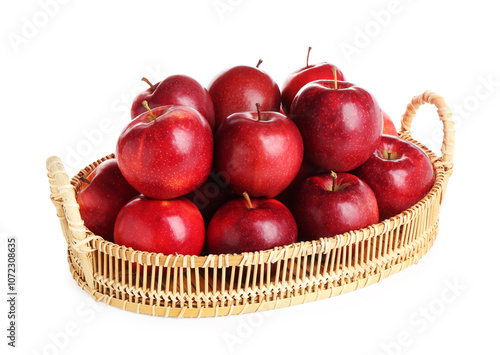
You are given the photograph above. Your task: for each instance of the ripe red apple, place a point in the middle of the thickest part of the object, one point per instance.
(332, 204)
(258, 152)
(105, 192)
(167, 152)
(389, 127)
(289, 195)
(244, 225)
(399, 173)
(161, 226)
(311, 72)
(176, 90)
(239, 88)
(339, 122)
(210, 196)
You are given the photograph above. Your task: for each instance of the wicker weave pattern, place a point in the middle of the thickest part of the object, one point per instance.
(214, 285)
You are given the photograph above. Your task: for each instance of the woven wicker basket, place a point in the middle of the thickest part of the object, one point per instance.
(216, 285)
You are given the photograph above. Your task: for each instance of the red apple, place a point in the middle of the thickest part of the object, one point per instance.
(244, 225)
(288, 196)
(239, 88)
(105, 192)
(258, 152)
(332, 204)
(339, 122)
(311, 72)
(160, 226)
(399, 173)
(389, 127)
(167, 152)
(210, 196)
(176, 90)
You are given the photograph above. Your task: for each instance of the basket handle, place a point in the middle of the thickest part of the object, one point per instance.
(445, 116)
(69, 212)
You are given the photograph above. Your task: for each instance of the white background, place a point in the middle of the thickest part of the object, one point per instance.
(81, 65)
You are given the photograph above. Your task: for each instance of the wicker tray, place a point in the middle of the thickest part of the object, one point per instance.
(216, 285)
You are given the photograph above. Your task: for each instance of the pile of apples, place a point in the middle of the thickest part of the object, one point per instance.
(243, 166)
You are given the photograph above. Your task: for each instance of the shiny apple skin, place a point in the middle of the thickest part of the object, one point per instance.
(322, 213)
(238, 90)
(389, 127)
(296, 80)
(179, 90)
(340, 127)
(169, 156)
(398, 183)
(260, 157)
(161, 226)
(237, 228)
(101, 200)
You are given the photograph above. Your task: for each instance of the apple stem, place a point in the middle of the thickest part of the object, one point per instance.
(259, 62)
(148, 82)
(258, 111)
(335, 76)
(334, 177)
(307, 59)
(84, 179)
(245, 195)
(389, 153)
(145, 104)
